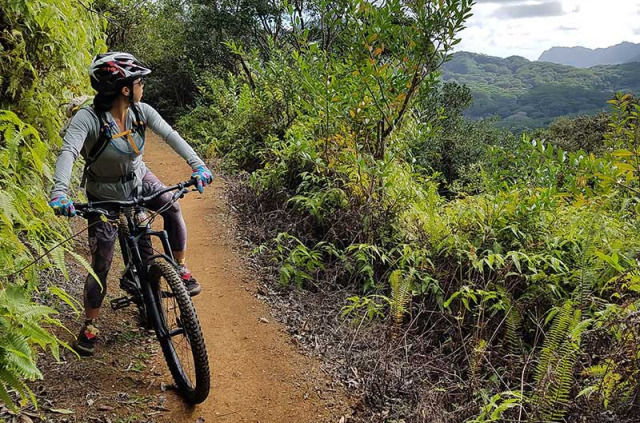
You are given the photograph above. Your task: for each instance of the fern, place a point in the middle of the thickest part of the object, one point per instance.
(57, 256)
(86, 265)
(4, 396)
(554, 372)
(19, 328)
(13, 382)
(512, 322)
(400, 296)
(69, 300)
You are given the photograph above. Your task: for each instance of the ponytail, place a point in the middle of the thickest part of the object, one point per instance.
(103, 102)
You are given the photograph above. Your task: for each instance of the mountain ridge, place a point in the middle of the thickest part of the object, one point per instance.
(583, 57)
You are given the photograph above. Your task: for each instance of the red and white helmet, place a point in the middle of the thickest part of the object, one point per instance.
(111, 71)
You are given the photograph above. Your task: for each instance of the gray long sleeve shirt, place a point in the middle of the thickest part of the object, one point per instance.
(119, 158)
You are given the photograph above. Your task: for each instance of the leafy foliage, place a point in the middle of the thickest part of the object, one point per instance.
(534, 255)
(182, 40)
(46, 49)
(584, 133)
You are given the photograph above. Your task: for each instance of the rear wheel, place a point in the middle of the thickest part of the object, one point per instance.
(179, 332)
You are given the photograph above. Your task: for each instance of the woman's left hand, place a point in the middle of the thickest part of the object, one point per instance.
(203, 177)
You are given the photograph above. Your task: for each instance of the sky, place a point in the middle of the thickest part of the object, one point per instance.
(528, 27)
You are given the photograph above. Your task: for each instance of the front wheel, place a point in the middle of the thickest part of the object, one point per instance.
(179, 332)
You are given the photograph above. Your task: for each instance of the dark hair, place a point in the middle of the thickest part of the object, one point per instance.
(103, 102)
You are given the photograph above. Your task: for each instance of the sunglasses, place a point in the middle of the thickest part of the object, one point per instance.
(139, 82)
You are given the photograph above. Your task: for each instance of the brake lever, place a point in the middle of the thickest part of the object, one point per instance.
(179, 194)
(86, 212)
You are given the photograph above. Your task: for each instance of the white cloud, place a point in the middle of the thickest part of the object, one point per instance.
(523, 11)
(498, 27)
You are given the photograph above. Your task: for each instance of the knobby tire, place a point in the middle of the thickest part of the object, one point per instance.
(193, 393)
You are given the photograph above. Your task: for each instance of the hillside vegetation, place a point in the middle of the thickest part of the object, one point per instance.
(527, 94)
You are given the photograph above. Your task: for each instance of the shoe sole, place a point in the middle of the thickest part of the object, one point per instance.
(195, 291)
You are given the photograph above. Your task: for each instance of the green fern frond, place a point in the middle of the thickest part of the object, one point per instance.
(19, 355)
(36, 312)
(512, 322)
(86, 265)
(554, 374)
(400, 296)
(15, 383)
(57, 256)
(585, 287)
(17, 343)
(4, 396)
(400, 293)
(37, 334)
(66, 298)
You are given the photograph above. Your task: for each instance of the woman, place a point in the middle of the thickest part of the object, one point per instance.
(110, 135)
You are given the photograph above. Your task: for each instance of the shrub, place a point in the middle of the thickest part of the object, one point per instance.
(47, 47)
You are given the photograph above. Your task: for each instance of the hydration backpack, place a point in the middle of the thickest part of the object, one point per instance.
(74, 105)
(104, 136)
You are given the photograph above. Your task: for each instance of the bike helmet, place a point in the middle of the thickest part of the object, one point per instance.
(111, 71)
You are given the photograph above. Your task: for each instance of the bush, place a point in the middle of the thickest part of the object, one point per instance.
(47, 47)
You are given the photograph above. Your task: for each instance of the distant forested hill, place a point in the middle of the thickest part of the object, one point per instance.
(582, 57)
(531, 94)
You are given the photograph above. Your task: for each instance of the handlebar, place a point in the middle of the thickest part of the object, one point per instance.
(92, 207)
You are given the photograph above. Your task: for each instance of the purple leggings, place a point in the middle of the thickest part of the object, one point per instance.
(103, 235)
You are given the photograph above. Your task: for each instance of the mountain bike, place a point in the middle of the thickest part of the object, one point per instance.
(152, 283)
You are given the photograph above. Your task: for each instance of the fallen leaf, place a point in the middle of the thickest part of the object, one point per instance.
(25, 419)
(61, 410)
(105, 408)
(264, 320)
(31, 414)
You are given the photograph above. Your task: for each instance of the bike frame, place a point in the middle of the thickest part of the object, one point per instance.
(130, 243)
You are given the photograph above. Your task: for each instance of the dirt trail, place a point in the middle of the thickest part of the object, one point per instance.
(257, 374)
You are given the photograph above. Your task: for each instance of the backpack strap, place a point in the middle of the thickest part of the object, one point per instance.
(104, 137)
(139, 125)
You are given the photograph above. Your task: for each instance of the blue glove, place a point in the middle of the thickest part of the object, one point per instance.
(203, 177)
(63, 205)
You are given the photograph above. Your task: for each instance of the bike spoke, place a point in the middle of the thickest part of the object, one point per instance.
(176, 333)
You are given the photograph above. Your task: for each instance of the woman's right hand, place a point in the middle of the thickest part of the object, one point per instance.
(63, 206)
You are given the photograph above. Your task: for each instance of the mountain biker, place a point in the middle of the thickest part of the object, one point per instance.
(110, 135)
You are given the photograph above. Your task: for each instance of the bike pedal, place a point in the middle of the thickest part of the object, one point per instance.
(118, 303)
